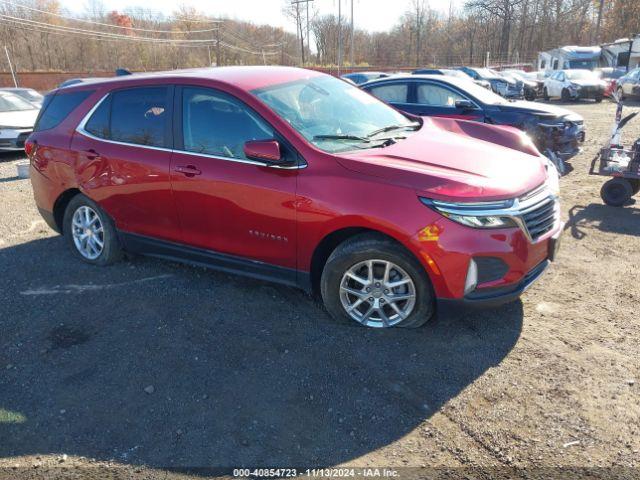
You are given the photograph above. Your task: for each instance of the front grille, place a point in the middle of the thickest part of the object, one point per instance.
(538, 212)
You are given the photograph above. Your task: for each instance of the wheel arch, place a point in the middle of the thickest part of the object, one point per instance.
(335, 238)
(60, 205)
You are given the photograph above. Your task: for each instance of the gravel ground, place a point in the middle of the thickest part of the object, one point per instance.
(149, 369)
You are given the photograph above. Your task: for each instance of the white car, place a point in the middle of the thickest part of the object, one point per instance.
(17, 117)
(573, 85)
(28, 94)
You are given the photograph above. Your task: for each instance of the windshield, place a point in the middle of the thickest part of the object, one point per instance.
(30, 95)
(334, 115)
(587, 64)
(581, 75)
(13, 103)
(487, 73)
(456, 73)
(483, 95)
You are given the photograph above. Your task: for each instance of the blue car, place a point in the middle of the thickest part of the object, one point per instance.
(362, 77)
(551, 128)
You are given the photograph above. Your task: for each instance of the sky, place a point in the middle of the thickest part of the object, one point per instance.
(373, 15)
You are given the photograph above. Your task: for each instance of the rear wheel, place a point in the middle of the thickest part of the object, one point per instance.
(616, 192)
(530, 95)
(90, 232)
(371, 280)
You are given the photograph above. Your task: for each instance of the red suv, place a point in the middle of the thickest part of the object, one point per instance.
(298, 177)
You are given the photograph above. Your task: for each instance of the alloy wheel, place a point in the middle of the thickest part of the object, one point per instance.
(377, 293)
(88, 232)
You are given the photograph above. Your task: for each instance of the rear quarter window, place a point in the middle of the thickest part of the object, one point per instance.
(57, 106)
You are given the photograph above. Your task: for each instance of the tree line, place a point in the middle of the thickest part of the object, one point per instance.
(40, 35)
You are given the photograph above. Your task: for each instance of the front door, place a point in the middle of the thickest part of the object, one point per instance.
(226, 202)
(437, 100)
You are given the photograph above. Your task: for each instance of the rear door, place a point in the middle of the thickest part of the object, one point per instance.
(123, 149)
(395, 93)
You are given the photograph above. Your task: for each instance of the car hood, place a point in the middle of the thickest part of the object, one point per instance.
(441, 164)
(542, 109)
(20, 119)
(588, 83)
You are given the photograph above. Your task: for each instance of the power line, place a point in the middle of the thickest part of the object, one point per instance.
(98, 33)
(181, 32)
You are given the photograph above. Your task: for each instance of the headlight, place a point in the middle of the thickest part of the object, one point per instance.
(573, 86)
(475, 215)
(553, 180)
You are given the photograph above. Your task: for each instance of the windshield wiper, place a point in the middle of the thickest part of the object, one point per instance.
(341, 137)
(389, 128)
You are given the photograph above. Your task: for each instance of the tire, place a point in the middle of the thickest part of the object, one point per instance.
(530, 96)
(355, 255)
(564, 96)
(545, 94)
(635, 185)
(92, 218)
(616, 192)
(599, 99)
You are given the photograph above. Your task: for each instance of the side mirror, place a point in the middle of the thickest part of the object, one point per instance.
(263, 150)
(465, 105)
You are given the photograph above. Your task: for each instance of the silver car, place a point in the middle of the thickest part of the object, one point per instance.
(17, 117)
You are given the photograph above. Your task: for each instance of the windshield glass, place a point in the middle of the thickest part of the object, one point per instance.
(334, 115)
(483, 95)
(13, 103)
(486, 73)
(30, 95)
(581, 75)
(588, 64)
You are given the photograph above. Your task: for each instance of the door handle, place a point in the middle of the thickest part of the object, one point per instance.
(91, 154)
(188, 170)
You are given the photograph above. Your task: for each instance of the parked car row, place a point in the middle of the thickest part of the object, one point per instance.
(298, 177)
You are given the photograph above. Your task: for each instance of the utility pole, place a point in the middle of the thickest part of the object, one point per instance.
(352, 38)
(339, 35)
(218, 57)
(13, 74)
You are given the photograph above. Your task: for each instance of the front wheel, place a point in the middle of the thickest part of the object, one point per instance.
(545, 94)
(373, 281)
(564, 96)
(90, 232)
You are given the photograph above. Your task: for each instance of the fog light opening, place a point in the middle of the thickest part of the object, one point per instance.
(472, 277)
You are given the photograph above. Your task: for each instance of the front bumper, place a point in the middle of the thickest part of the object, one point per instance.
(497, 296)
(587, 92)
(506, 261)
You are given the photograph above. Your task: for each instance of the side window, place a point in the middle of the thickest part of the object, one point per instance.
(555, 64)
(98, 124)
(391, 93)
(217, 124)
(57, 106)
(543, 64)
(437, 96)
(140, 116)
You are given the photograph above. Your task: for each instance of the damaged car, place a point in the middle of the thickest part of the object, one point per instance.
(556, 132)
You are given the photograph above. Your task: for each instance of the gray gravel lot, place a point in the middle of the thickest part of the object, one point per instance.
(150, 365)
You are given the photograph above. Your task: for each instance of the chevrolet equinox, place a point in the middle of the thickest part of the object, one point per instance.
(300, 178)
